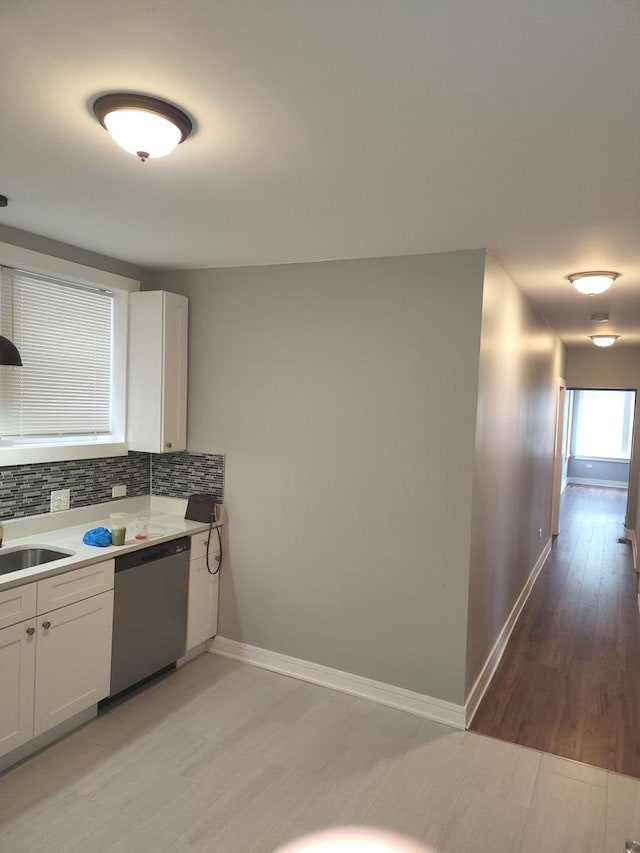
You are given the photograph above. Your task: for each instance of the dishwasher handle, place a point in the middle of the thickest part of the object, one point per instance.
(153, 552)
(157, 555)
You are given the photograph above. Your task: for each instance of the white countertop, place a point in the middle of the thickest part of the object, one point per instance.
(163, 527)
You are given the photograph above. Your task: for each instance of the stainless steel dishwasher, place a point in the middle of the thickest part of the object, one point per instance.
(149, 611)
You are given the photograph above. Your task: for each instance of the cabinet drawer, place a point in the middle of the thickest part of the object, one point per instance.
(199, 546)
(74, 586)
(17, 604)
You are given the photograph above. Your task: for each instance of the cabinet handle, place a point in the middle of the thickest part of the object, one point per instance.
(31, 631)
(168, 444)
(46, 625)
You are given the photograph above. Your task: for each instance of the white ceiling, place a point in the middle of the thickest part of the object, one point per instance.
(339, 129)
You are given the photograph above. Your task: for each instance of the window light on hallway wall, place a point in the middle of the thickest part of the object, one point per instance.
(602, 423)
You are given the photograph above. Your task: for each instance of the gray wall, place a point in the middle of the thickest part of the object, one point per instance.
(606, 470)
(618, 367)
(344, 397)
(520, 362)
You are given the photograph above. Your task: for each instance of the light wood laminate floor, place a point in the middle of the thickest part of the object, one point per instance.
(569, 681)
(225, 757)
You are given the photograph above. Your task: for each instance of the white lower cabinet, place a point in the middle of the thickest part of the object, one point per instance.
(53, 665)
(17, 667)
(57, 663)
(202, 618)
(73, 662)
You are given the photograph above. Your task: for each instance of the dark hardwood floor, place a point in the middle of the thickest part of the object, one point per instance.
(569, 680)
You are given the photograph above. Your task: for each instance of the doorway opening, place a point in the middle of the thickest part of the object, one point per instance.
(597, 439)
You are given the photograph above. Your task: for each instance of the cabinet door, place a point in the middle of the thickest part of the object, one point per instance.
(17, 666)
(144, 415)
(202, 618)
(174, 387)
(157, 393)
(73, 665)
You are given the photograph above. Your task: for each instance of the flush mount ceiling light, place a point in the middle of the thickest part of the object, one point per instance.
(591, 283)
(604, 340)
(142, 125)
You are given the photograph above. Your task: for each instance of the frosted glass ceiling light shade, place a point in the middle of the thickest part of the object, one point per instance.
(136, 131)
(604, 340)
(591, 283)
(145, 126)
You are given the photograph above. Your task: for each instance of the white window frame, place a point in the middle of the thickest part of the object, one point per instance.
(576, 413)
(121, 287)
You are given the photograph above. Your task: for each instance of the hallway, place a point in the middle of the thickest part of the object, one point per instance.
(569, 681)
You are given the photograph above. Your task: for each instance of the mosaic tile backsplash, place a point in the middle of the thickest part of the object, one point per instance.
(178, 475)
(26, 489)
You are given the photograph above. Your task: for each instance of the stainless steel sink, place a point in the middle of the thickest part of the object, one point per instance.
(12, 560)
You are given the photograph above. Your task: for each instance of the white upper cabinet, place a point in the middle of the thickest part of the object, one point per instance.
(157, 396)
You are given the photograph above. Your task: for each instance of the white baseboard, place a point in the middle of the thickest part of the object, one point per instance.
(385, 694)
(586, 481)
(46, 738)
(193, 653)
(495, 655)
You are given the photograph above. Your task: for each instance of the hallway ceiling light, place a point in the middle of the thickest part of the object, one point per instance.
(604, 340)
(142, 125)
(591, 283)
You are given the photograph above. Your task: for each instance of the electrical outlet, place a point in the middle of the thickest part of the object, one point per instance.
(118, 491)
(539, 533)
(60, 500)
(588, 465)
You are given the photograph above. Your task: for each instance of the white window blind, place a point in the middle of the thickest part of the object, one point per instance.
(64, 334)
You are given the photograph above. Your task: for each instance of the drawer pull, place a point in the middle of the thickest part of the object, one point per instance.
(31, 631)
(46, 625)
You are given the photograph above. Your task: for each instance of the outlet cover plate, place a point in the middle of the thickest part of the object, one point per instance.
(119, 491)
(60, 500)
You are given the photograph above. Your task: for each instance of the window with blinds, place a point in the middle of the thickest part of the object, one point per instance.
(64, 333)
(603, 423)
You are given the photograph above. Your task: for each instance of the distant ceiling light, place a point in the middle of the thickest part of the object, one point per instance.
(591, 283)
(600, 318)
(604, 340)
(141, 124)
